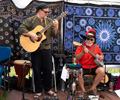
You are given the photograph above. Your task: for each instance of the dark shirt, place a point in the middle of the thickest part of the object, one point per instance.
(30, 23)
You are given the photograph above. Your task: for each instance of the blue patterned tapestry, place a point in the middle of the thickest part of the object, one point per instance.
(104, 19)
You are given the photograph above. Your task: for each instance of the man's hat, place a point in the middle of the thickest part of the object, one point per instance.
(42, 6)
(90, 33)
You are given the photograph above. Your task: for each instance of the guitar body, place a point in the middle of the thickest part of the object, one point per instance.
(28, 44)
(99, 63)
(105, 79)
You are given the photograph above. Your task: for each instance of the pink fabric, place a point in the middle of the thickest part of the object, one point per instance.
(118, 84)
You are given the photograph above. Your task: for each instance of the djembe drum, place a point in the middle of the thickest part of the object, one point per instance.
(18, 65)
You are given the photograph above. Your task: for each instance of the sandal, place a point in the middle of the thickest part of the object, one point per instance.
(81, 95)
(91, 92)
(51, 93)
(36, 96)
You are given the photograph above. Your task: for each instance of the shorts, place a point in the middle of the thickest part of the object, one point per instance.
(87, 71)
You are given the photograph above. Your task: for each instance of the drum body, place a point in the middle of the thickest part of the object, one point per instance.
(18, 65)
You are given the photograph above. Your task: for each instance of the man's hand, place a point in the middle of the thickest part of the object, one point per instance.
(55, 22)
(100, 57)
(79, 56)
(33, 36)
(85, 50)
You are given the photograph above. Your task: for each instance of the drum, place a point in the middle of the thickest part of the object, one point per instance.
(18, 65)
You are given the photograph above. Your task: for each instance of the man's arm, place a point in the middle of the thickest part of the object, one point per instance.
(24, 30)
(32, 35)
(55, 23)
(101, 56)
(79, 56)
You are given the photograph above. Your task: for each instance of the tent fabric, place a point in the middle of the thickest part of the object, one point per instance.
(118, 84)
(23, 3)
(103, 19)
(11, 18)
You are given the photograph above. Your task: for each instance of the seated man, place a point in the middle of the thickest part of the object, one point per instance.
(85, 58)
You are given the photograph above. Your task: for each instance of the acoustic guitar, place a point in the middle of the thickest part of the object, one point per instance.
(98, 62)
(105, 79)
(28, 44)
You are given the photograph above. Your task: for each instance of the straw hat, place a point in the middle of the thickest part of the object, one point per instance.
(90, 33)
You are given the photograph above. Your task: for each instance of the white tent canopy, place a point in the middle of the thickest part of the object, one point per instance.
(23, 3)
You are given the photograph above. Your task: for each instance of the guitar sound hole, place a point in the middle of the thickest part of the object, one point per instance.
(39, 35)
(31, 40)
(39, 39)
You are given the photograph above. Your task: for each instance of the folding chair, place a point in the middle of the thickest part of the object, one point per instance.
(5, 54)
(54, 74)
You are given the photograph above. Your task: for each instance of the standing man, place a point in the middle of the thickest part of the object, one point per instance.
(84, 58)
(42, 58)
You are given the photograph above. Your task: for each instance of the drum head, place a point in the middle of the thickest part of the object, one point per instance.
(21, 61)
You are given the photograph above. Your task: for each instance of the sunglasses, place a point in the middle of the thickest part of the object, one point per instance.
(45, 11)
(89, 39)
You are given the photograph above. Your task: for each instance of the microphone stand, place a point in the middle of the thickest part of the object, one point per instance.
(73, 87)
(104, 76)
(23, 82)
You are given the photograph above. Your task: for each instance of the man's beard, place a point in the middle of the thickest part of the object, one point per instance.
(89, 44)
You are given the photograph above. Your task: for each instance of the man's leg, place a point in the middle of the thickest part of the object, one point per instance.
(81, 82)
(36, 64)
(47, 70)
(100, 72)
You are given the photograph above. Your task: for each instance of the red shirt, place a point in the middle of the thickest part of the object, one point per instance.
(87, 60)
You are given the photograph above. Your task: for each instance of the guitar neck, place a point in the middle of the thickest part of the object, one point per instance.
(49, 25)
(90, 52)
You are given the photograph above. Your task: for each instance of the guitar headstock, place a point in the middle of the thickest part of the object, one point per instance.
(63, 14)
(76, 43)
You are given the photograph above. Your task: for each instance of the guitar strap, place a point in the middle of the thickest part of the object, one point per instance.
(89, 64)
(45, 22)
(93, 47)
(34, 19)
